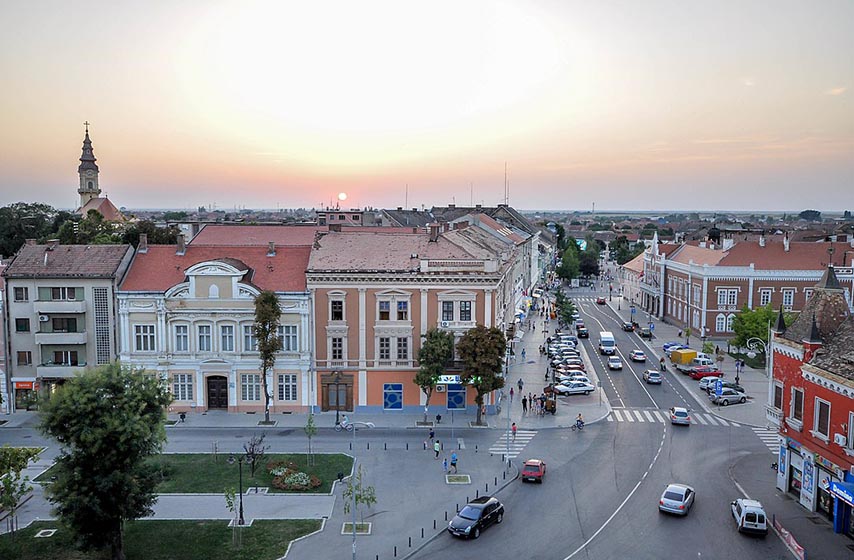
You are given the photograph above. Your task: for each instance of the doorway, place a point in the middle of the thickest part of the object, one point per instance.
(217, 392)
(337, 396)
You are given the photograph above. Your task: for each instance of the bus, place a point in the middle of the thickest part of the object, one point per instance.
(606, 343)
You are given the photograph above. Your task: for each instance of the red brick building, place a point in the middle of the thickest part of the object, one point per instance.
(811, 401)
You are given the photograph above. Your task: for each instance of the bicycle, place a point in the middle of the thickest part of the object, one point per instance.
(342, 426)
(577, 426)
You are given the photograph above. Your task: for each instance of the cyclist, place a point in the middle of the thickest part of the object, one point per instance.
(579, 421)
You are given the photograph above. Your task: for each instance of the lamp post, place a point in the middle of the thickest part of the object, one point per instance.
(337, 397)
(754, 344)
(240, 460)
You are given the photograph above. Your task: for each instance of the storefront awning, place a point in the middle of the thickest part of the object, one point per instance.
(844, 491)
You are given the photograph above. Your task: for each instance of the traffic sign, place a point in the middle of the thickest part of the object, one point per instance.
(448, 379)
(719, 387)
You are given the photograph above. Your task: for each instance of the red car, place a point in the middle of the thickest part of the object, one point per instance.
(600, 300)
(705, 371)
(534, 470)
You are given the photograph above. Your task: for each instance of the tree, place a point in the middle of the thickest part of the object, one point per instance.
(565, 308)
(752, 324)
(13, 486)
(266, 329)
(156, 235)
(482, 352)
(21, 221)
(588, 263)
(364, 495)
(433, 356)
(810, 215)
(109, 423)
(568, 268)
(561, 237)
(310, 431)
(254, 450)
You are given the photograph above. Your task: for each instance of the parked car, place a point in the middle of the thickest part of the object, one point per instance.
(667, 345)
(628, 327)
(574, 388)
(564, 379)
(477, 515)
(652, 376)
(725, 385)
(583, 332)
(700, 372)
(679, 415)
(728, 395)
(534, 470)
(569, 339)
(645, 332)
(600, 300)
(749, 516)
(676, 498)
(637, 356)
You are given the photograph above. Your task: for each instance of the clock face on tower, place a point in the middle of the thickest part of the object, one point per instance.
(90, 173)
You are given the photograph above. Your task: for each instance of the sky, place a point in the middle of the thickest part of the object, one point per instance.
(676, 105)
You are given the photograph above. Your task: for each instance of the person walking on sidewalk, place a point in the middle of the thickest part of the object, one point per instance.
(437, 447)
(432, 435)
(520, 384)
(445, 465)
(524, 352)
(511, 394)
(454, 461)
(513, 430)
(661, 364)
(524, 405)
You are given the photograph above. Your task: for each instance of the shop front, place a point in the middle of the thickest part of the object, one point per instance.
(843, 497)
(796, 477)
(25, 395)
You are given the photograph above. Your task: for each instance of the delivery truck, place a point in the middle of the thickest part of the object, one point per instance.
(685, 359)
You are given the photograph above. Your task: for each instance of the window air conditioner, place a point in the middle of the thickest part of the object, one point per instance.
(840, 439)
(43, 318)
(440, 388)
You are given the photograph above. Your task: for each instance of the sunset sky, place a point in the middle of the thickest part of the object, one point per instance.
(632, 105)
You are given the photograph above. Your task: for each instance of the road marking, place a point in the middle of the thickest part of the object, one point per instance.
(648, 415)
(658, 415)
(616, 414)
(640, 417)
(629, 417)
(507, 446)
(610, 419)
(769, 438)
(461, 443)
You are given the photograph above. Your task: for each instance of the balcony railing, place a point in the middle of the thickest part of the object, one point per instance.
(774, 415)
(60, 306)
(56, 371)
(61, 337)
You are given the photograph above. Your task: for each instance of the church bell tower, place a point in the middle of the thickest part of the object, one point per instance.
(88, 172)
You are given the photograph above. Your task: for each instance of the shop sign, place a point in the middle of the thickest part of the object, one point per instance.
(449, 379)
(841, 492)
(794, 444)
(23, 384)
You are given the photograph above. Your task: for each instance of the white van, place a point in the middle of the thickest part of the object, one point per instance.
(749, 516)
(607, 345)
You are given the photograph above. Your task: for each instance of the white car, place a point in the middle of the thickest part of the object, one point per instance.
(564, 379)
(574, 388)
(615, 362)
(707, 383)
(638, 356)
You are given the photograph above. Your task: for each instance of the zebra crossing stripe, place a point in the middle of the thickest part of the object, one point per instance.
(639, 415)
(616, 414)
(610, 418)
(648, 416)
(658, 415)
(629, 417)
(700, 419)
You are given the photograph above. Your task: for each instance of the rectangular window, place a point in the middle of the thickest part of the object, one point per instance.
(403, 311)
(336, 310)
(788, 298)
(22, 294)
(696, 295)
(764, 297)
(392, 396)
(288, 338)
(778, 396)
(182, 338)
(722, 295)
(821, 422)
(797, 406)
(287, 387)
(447, 310)
(144, 338)
(22, 325)
(465, 311)
(732, 297)
(65, 357)
(64, 324)
(385, 349)
(226, 337)
(385, 310)
(402, 348)
(68, 294)
(807, 294)
(250, 342)
(337, 348)
(25, 358)
(250, 386)
(182, 386)
(204, 338)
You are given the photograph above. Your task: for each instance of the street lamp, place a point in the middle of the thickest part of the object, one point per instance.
(337, 397)
(754, 344)
(240, 461)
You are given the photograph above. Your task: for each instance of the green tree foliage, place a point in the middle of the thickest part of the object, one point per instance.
(754, 324)
(588, 262)
(565, 308)
(14, 486)
(310, 431)
(810, 215)
(109, 423)
(266, 329)
(360, 493)
(625, 251)
(21, 221)
(433, 357)
(561, 237)
(482, 352)
(156, 235)
(175, 216)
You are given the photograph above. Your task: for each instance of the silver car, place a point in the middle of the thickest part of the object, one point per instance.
(728, 395)
(677, 498)
(680, 415)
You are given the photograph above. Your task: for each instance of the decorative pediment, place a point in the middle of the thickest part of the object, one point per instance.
(217, 268)
(181, 290)
(244, 291)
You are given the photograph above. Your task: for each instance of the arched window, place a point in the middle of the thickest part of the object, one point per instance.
(720, 322)
(729, 319)
(213, 291)
(90, 184)
(696, 319)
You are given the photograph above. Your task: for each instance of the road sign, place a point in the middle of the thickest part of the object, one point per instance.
(651, 326)
(448, 379)
(719, 387)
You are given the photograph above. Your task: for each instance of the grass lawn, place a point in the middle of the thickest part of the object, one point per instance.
(197, 473)
(162, 540)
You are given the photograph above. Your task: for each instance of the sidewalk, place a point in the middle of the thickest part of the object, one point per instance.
(754, 381)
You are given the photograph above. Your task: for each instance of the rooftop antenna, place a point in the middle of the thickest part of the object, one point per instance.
(471, 194)
(406, 197)
(506, 186)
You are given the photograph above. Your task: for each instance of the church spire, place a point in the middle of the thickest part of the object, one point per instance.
(88, 172)
(87, 158)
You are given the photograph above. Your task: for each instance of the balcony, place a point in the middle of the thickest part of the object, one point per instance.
(774, 416)
(58, 371)
(795, 424)
(63, 338)
(47, 307)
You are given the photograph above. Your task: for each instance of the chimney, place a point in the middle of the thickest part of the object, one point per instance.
(434, 232)
(271, 249)
(415, 209)
(702, 244)
(812, 342)
(452, 206)
(335, 228)
(461, 225)
(478, 206)
(728, 243)
(182, 246)
(30, 241)
(762, 240)
(142, 246)
(786, 241)
(52, 244)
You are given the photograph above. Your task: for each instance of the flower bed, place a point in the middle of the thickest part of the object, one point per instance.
(287, 476)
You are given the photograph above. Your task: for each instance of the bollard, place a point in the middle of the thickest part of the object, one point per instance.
(458, 508)
(434, 524)
(496, 481)
(425, 446)
(475, 448)
(395, 551)
(410, 542)
(443, 446)
(407, 446)
(385, 446)
(351, 445)
(476, 494)
(369, 446)
(446, 515)
(459, 447)
(487, 488)
(503, 476)
(422, 531)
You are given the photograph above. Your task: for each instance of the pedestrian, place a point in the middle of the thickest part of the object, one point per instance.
(513, 430)
(454, 461)
(737, 378)
(445, 465)
(680, 334)
(524, 352)
(511, 394)
(520, 384)
(524, 405)
(437, 447)
(432, 434)
(661, 363)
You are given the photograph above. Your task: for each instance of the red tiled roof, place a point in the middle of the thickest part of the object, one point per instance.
(801, 256)
(636, 264)
(160, 268)
(223, 235)
(103, 205)
(67, 261)
(501, 229)
(697, 255)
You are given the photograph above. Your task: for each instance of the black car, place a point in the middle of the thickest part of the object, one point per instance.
(477, 515)
(583, 332)
(628, 327)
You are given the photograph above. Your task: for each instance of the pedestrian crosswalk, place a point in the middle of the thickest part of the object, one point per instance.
(652, 415)
(515, 446)
(769, 438)
(583, 298)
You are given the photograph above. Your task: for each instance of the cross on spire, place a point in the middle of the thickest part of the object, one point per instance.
(86, 123)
